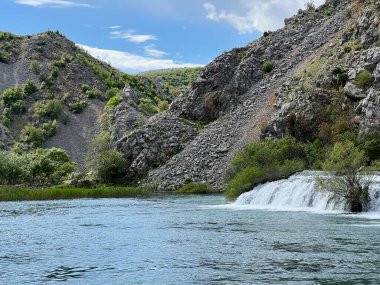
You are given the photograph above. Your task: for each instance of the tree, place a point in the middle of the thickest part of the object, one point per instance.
(106, 163)
(345, 180)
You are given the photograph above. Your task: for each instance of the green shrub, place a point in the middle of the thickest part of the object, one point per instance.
(163, 106)
(50, 128)
(347, 49)
(265, 161)
(5, 57)
(146, 105)
(267, 67)
(6, 36)
(6, 116)
(13, 99)
(77, 107)
(49, 108)
(33, 135)
(112, 92)
(113, 102)
(93, 93)
(364, 78)
(244, 181)
(357, 47)
(85, 87)
(193, 188)
(54, 72)
(106, 164)
(347, 13)
(30, 88)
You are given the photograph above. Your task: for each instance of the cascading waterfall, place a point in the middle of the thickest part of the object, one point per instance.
(298, 192)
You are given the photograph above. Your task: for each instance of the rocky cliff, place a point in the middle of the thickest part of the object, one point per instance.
(237, 100)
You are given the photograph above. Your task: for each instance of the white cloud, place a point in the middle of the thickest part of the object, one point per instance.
(53, 3)
(151, 51)
(129, 61)
(114, 27)
(261, 15)
(130, 36)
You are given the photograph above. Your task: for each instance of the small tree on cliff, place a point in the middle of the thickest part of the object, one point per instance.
(106, 164)
(345, 179)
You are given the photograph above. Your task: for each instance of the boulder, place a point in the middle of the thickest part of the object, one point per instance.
(353, 92)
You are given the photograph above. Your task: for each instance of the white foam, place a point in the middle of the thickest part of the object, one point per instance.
(298, 193)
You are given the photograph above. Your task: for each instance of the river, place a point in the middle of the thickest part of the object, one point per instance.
(183, 240)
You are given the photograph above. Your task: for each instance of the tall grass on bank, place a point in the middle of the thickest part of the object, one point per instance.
(61, 193)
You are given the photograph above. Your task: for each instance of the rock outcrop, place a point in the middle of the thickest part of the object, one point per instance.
(233, 96)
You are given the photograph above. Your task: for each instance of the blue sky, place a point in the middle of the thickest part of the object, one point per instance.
(139, 35)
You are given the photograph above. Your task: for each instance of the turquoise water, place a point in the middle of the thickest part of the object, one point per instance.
(182, 240)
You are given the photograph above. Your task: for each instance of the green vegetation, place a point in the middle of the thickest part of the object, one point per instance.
(194, 188)
(105, 163)
(77, 107)
(364, 78)
(177, 80)
(146, 105)
(113, 102)
(13, 99)
(265, 161)
(357, 47)
(57, 193)
(6, 36)
(30, 88)
(40, 166)
(112, 93)
(49, 108)
(346, 179)
(33, 135)
(267, 67)
(35, 67)
(163, 106)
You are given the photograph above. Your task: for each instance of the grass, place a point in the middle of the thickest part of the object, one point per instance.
(12, 193)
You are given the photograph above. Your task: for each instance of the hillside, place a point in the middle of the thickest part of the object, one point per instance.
(317, 78)
(249, 93)
(53, 94)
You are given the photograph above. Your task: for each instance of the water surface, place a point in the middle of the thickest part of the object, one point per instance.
(182, 240)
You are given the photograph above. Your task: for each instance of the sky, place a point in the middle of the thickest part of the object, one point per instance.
(140, 35)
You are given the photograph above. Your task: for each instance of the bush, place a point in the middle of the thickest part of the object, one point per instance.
(33, 135)
(6, 36)
(5, 57)
(347, 49)
(112, 92)
(35, 67)
(163, 106)
(54, 72)
(267, 67)
(113, 102)
(50, 128)
(357, 47)
(13, 99)
(30, 88)
(345, 180)
(85, 87)
(93, 93)
(146, 105)
(49, 108)
(106, 164)
(77, 107)
(364, 78)
(265, 161)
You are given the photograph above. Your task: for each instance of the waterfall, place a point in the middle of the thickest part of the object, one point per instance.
(298, 192)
